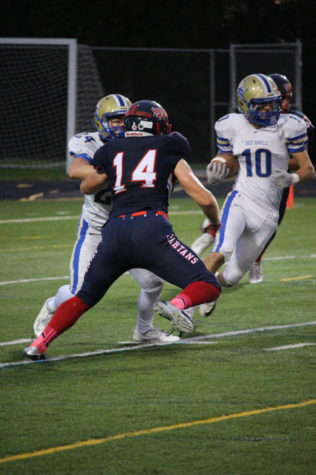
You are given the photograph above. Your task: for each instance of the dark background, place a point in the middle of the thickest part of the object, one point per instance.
(169, 24)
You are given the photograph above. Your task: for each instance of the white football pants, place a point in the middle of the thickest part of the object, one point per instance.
(245, 230)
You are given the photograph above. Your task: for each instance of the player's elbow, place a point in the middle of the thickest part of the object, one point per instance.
(85, 188)
(311, 170)
(306, 172)
(71, 173)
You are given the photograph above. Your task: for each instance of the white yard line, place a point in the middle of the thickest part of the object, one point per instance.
(289, 347)
(39, 279)
(186, 341)
(34, 220)
(65, 218)
(15, 342)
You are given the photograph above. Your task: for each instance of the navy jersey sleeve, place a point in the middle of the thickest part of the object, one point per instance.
(310, 134)
(309, 126)
(99, 160)
(182, 145)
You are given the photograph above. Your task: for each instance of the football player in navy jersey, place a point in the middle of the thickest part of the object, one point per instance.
(286, 90)
(140, 169)
(108, 121)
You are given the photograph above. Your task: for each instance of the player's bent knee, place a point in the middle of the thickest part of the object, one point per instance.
(213, 261)
(224, 282)
(152, 285)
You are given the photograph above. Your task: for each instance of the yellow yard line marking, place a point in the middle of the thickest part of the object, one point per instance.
(154, 430)
(301, 277)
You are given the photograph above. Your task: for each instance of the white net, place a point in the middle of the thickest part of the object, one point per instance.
(89, 89)
(34, 102)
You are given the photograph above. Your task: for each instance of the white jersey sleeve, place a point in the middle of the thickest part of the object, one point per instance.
(295, 133)
(96, 207)
(259, 152)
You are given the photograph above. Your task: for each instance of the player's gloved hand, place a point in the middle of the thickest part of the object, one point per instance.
(211, 229)
(206, 239)
(283, 179)
(216, 172)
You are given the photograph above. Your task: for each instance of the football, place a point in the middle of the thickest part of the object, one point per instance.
(230, 162)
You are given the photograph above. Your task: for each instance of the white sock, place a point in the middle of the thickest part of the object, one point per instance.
(145, 303)
(63, 294)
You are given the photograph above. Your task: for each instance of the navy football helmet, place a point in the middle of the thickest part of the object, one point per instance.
(255, 91)
(146, 118)
(286, 90)
(113, 105)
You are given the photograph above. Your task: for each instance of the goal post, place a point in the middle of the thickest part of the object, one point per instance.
(49, 88)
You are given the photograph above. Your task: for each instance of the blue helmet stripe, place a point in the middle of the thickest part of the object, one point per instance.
(120, 100)
(266, 82)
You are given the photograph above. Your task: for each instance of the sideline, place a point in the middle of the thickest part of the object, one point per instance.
(184, 341)
(154, 430)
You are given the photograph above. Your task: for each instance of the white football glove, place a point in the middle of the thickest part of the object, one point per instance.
(202, 243)
(283, 179)
(205, 240)
(216, 171)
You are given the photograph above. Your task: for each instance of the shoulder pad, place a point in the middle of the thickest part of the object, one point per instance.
(181, 139)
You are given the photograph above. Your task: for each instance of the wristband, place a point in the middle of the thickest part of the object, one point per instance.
(295, 178)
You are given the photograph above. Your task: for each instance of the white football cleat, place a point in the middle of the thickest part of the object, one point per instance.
(202, 243)
(153, 335)
(180, 320)
(32, 353)
(255, 273)
(207, 308)
(43, 318)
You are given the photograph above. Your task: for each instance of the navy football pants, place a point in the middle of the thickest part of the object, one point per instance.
(144, 241)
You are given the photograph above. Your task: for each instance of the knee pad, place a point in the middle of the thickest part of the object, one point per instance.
(231, 278)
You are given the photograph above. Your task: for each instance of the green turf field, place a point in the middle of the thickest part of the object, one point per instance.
(238, 397)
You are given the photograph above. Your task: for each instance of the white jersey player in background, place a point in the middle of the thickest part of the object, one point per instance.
(108, 119)
(262, 141)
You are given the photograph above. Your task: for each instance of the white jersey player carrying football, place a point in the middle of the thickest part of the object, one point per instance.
(108, 119)
(262, 141)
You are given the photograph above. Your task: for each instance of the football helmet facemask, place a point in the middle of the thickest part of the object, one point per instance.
(286, 90)
(113, 105)
(257, 90)
(146, 118)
